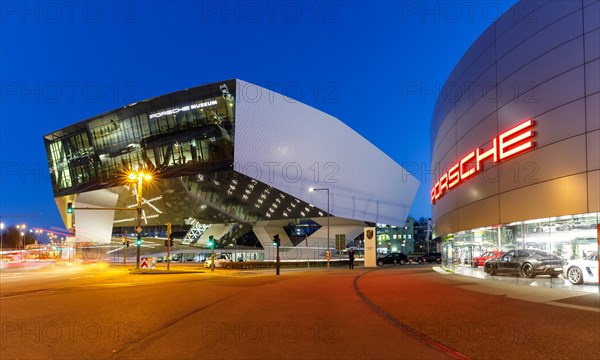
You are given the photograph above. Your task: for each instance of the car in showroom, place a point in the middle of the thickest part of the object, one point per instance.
(582, 225)
(481, 259)
(579, 225)
(582, 270)
(564, 227)
(219, 260)
(526, 262)
(540, 228)
(392, 258)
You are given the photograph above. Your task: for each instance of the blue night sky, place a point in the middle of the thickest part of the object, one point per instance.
(62, 62)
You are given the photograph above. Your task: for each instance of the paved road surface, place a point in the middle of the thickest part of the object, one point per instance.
(102, 312)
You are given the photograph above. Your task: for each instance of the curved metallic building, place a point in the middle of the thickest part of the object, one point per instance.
(228, 158)
(516, 136)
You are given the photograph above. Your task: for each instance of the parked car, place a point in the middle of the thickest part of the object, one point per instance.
(480, 260)
(414, 259)
(528, 263)
(582, 270)
(542, 228)
(219, 260)
(563, 227)
(392, 258)
(430, 257)
(582, 225)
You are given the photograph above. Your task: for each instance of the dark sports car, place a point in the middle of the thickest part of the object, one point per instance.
(528, 263)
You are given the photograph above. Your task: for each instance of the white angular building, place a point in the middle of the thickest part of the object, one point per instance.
(233, 160)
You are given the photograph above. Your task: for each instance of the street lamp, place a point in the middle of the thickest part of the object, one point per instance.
(1, 233)
(327, 254)
(1, 240)
(22, 227)
(139, 176)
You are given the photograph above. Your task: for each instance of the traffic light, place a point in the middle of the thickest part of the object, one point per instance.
(138, 242)
(276, 240)
(127, 243)
(211, 241)
(69, 208)
(171, 243)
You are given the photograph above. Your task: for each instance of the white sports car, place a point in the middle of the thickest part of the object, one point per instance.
(582, 270)
(219, 260)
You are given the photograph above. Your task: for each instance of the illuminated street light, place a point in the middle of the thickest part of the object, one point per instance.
(139, 176)
(22, 228)
(327, 253)
(1, 240)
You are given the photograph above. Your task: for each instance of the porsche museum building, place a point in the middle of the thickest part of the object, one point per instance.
(515, 138)
(229, 159)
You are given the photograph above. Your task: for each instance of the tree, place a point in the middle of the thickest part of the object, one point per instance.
(12, 239)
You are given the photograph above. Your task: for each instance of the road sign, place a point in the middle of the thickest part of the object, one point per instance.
(138, 229)
(144, 264)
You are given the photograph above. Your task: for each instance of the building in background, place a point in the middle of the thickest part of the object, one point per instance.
(394, 239)
(229, 159)
(516, 136)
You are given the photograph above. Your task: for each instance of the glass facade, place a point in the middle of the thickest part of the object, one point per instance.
(178, 134)
(570, 237)
(186, 139)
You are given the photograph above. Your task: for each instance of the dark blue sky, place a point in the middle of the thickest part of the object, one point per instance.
(62, 62)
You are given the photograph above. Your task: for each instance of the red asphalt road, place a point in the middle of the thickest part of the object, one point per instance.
(390, 313)
(453, 310)
(315, 315)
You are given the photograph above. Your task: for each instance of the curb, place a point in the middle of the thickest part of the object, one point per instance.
(161, 272)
